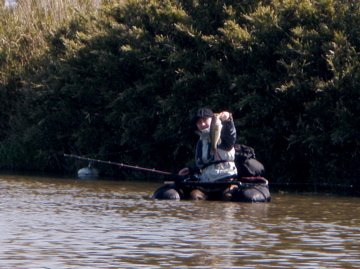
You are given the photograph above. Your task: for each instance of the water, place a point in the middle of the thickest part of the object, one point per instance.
(70, 223)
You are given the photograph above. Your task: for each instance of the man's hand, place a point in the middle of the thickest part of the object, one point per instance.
(224, 116)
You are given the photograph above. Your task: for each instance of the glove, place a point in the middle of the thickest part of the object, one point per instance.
(194, 170)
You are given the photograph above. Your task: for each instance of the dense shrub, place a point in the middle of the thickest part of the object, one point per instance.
(121, 83)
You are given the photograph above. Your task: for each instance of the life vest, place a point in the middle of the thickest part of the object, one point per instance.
(217, 166)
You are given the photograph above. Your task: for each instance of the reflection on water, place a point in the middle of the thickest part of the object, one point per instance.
(72, 223)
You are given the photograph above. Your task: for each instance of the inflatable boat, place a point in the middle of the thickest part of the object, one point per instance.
(246, 189)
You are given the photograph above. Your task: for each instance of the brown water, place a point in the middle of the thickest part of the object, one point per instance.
(72, 223)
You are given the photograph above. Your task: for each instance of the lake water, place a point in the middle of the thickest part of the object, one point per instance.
(49, 222)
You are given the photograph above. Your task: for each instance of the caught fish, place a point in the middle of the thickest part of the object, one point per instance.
(215, 131)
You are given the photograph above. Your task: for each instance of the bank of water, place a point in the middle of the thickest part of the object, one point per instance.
(49, 222)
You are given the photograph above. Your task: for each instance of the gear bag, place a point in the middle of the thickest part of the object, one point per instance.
(246, 163)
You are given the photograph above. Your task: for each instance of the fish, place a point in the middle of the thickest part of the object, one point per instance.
(215, 132)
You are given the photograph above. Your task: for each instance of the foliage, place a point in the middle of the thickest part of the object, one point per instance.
(122, 81)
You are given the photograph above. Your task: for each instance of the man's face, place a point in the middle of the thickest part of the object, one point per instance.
(203, 123)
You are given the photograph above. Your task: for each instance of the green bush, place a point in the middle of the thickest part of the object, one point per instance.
(121, 83)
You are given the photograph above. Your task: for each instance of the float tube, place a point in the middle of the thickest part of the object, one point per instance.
(249, 189)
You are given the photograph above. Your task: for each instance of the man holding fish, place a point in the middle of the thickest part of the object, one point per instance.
(214, 157)
(215, 153)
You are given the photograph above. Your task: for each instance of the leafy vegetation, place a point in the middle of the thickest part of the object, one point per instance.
(119, 81)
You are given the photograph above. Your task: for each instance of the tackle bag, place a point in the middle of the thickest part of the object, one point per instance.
(246, 163)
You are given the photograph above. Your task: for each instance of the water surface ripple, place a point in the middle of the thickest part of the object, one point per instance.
(72, 223)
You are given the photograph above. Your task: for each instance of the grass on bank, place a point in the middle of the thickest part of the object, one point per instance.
(25, 26)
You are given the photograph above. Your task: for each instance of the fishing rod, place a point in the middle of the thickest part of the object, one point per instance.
(118, 164)
(180, 180)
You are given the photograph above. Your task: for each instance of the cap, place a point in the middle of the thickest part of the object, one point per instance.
(202, 113)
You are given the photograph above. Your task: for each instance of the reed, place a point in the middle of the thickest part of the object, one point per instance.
(25, 26)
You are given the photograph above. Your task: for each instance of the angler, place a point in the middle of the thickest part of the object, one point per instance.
(215, 175)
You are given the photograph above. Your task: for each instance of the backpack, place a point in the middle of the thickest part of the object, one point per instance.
(244, 152)
(246, 163)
